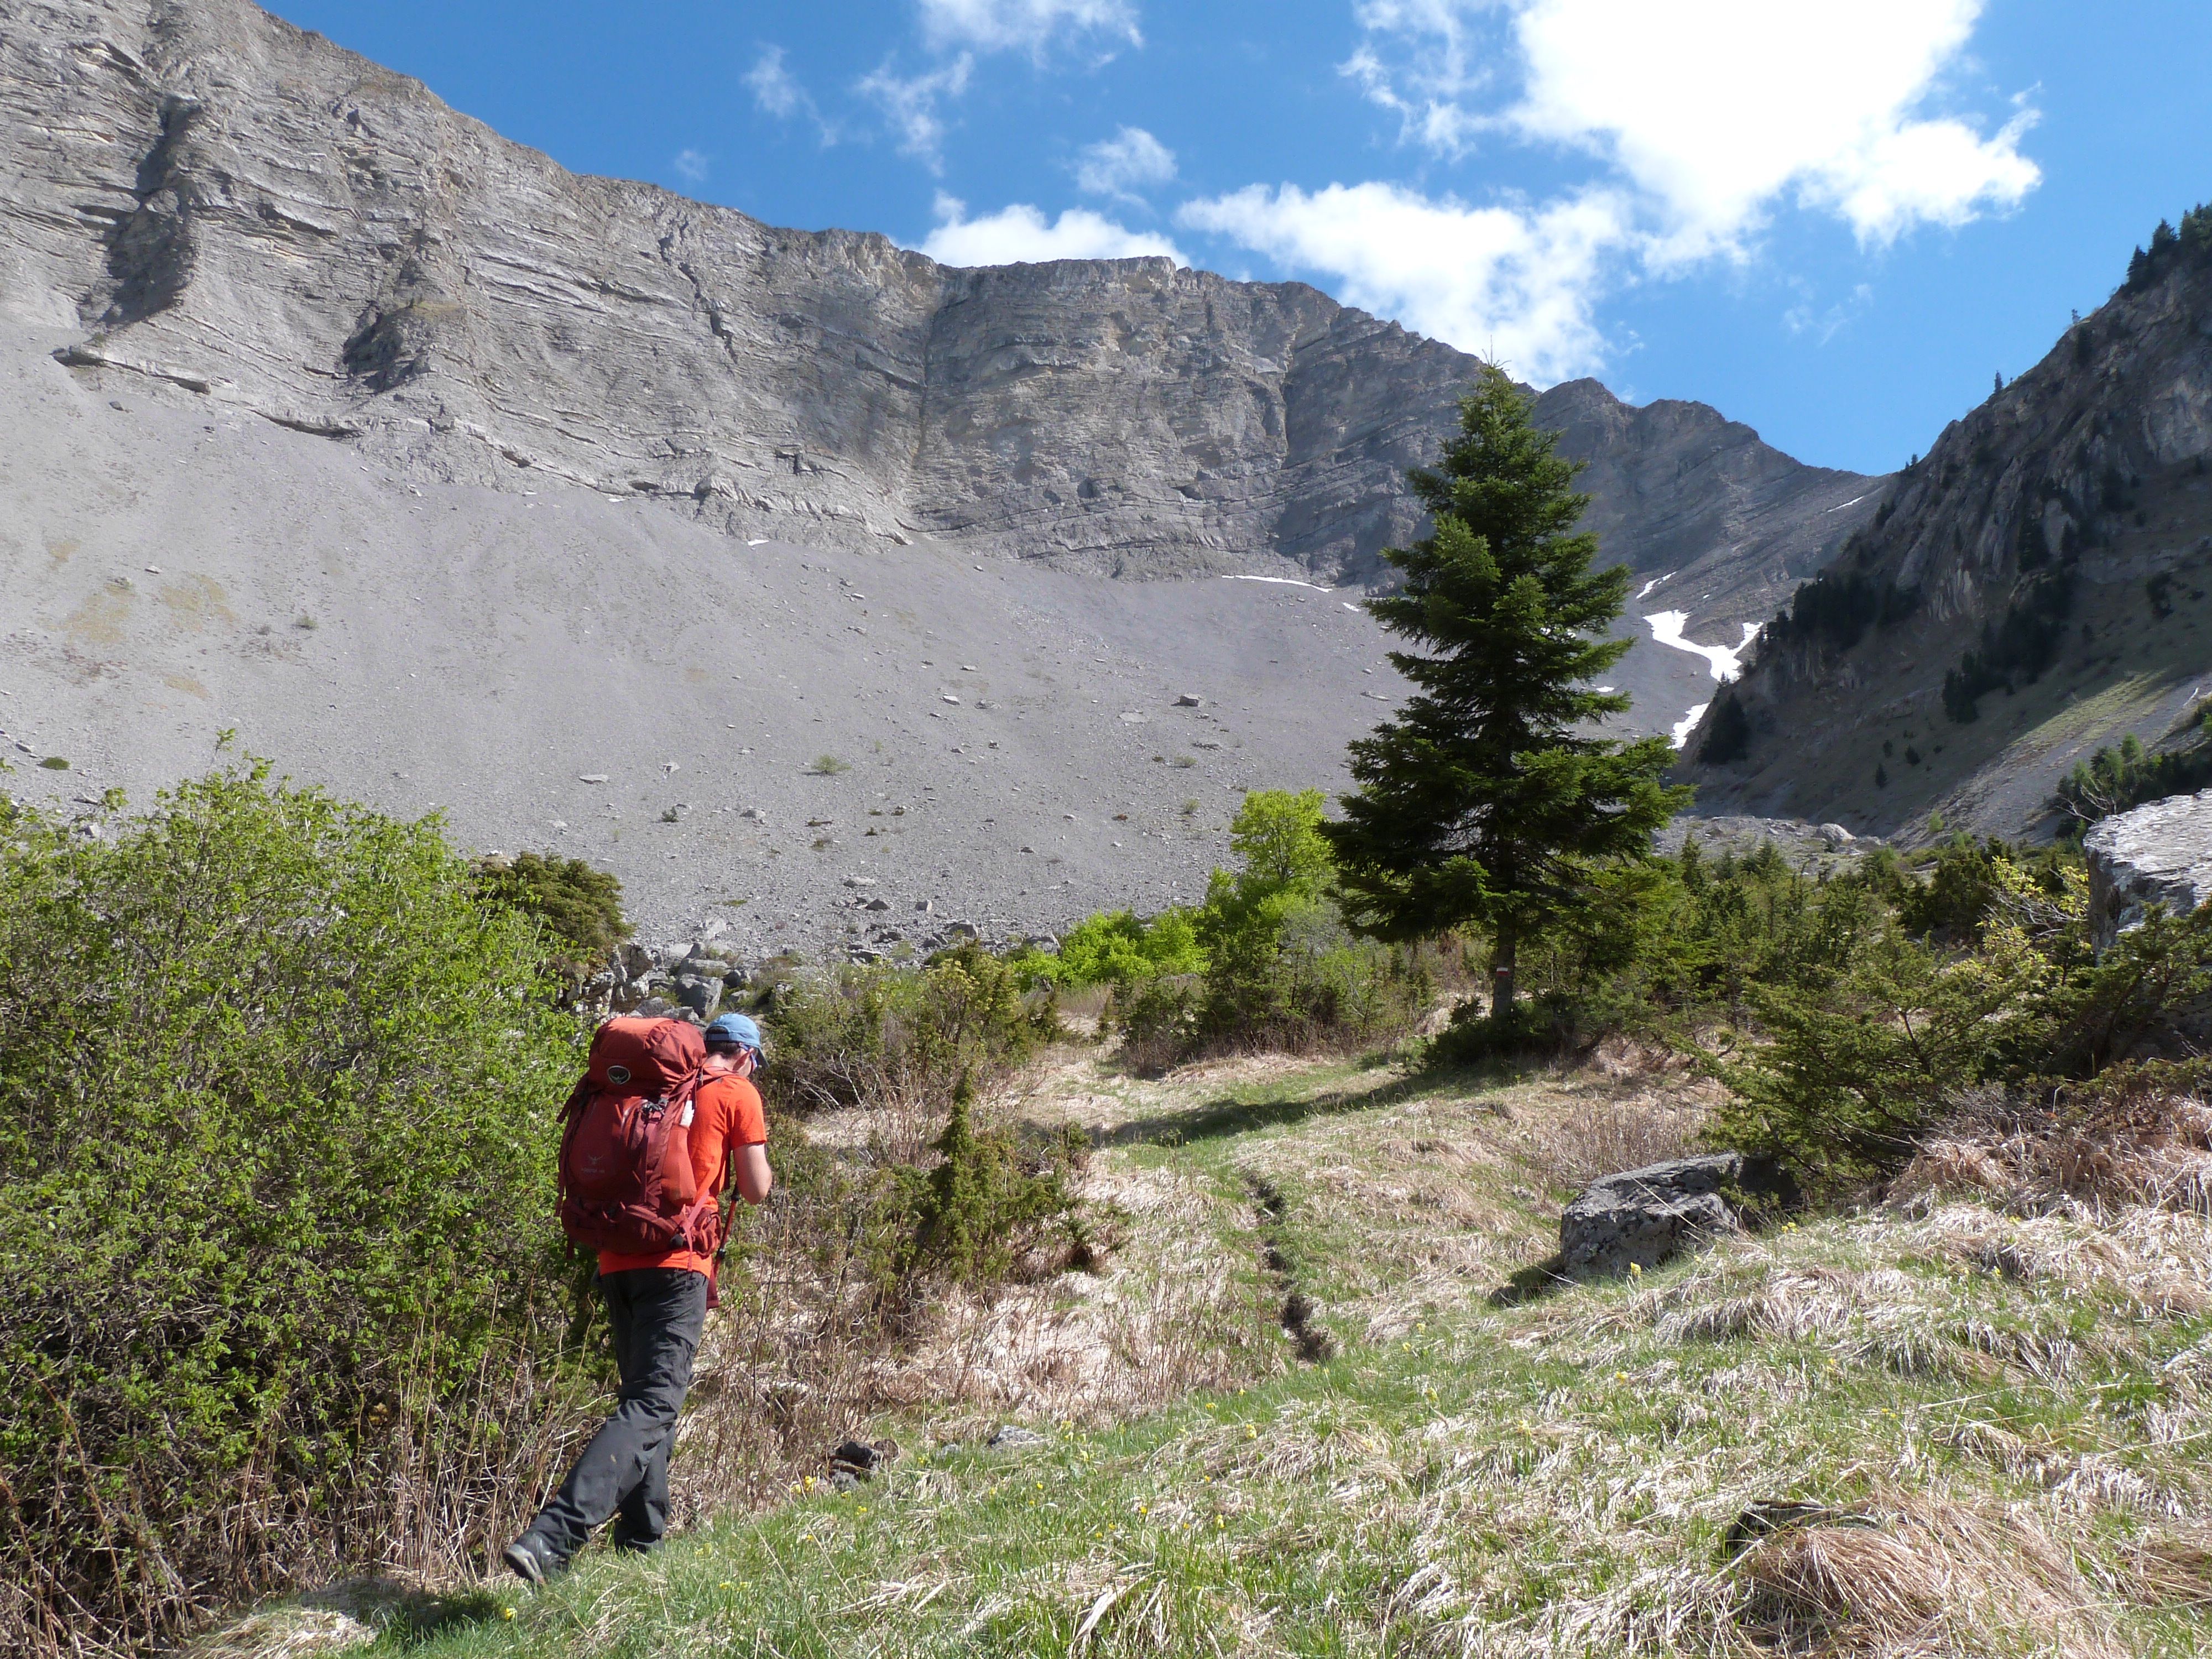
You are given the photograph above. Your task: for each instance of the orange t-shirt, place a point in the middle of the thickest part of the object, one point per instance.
(725, 1113)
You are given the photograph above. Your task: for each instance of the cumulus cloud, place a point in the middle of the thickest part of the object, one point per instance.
(1693, 121)
(1713, 110)
(1514, 283)
(1124, 165)
(909, 104)
(1019, 233)
(1031, 25)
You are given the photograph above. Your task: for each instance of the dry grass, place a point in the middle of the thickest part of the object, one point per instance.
(1990, 1401)
(1924, 1577)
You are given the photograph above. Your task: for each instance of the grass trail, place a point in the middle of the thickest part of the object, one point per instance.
(2000, 1417)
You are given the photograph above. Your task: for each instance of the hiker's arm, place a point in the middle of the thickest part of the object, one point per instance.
(754, 1179)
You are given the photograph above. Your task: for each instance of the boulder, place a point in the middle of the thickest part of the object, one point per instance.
(1012, 1437)
(697, 994)
(1642, 1217)
(2159, 853)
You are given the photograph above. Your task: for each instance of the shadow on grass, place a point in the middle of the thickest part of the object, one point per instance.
(1232, 1116)
(1533, 1283)
(406, 1615)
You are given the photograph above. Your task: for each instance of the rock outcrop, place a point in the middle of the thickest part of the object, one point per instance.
(1641, 1217)
(2161, 854)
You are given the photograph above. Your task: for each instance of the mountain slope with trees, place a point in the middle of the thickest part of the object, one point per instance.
(2035, 589)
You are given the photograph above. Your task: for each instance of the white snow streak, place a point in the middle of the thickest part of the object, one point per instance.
(1285, 581)
(1840, 506)
(1653, 583)
(1725, 661)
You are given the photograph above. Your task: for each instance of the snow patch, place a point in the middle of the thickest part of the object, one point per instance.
(1688, 724)
(1284, 581)
(1726, 661)
(1654, 582)
(1840, 506)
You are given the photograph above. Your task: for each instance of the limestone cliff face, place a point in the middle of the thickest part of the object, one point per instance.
(2034, 587)
(196, 191)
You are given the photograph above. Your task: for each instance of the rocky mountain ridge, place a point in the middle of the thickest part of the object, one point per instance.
(448, 478)
(2033, 588)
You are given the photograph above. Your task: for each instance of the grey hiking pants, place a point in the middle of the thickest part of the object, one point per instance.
(657, 1314)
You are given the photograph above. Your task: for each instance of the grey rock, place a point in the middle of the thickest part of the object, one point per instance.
(1012, 1437)
(636, 960)
(1186, 701)
(700, 995)
(877, 904)
(860, 1456)
(2160, 854)
(1644, 1216)
(1837, 836)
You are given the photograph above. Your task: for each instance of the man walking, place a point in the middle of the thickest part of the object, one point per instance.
(656, 1306)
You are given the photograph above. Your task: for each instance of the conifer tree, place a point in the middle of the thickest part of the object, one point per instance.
(1490, 797)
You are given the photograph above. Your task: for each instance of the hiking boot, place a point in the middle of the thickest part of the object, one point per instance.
(528, 1557)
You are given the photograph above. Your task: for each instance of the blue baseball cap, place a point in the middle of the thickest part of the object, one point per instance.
(734, 1031)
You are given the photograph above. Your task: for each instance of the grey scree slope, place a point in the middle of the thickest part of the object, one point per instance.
(379, 367)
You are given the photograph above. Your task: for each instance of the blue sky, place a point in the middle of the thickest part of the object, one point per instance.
(1835, 221)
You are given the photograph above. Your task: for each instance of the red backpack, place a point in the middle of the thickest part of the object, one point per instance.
(627, 1184)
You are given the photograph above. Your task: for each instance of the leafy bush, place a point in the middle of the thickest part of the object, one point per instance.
(1280, 967)
(580, 907)
(276, 1090)
(898, 1039)
(1115, 947)
(1982, 973)
(978, 1210)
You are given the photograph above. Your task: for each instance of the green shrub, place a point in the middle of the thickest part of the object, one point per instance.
(1858, 1063)
(971, 1216)
(880, 1034)
(1115, 947)
(276, 1093)
(580, 907)
(2113, 781)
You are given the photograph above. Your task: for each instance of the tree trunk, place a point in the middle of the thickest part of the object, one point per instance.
(1501, 977)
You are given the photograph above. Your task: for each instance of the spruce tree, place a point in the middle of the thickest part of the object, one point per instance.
(1490, 798)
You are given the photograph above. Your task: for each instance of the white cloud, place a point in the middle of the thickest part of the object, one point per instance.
(910, 105)
(1514, 283)
(1019, 233)
(1121, 166)
(691, 167)
(776, 92)
(1712, 111)
(1029, 25)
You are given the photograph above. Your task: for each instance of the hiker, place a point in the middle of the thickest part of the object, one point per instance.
(700, 1104)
